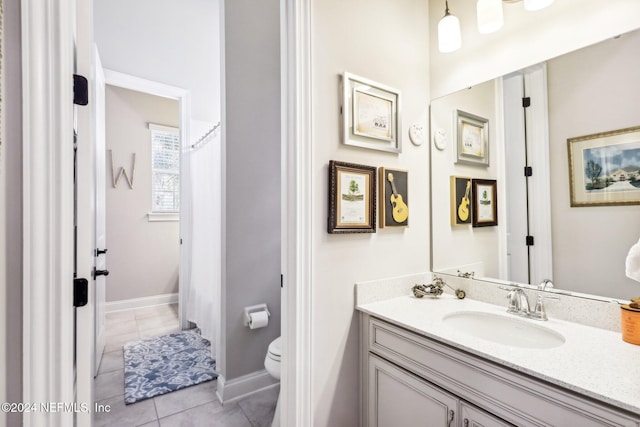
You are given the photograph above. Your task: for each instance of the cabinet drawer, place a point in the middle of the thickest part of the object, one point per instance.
(510, 395)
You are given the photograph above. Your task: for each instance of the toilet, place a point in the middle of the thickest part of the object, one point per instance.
(272, 365)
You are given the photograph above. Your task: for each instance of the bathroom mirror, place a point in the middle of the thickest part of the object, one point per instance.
(590, 91)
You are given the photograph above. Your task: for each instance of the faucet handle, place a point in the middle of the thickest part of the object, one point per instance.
(539, 311)
(514, 304)
(546, 283)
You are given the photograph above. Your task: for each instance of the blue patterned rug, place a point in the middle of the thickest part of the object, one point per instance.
(164, 364)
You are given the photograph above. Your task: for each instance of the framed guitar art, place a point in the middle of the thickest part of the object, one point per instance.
(394, 197)
(461, 196)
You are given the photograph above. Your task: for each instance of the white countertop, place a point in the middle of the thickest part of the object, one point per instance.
(593, 362)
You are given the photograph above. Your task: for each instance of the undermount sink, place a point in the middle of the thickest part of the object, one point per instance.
(503, 329)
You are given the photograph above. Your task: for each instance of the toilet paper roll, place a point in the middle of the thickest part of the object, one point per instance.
(258, 319)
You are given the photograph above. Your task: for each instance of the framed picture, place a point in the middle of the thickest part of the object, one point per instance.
(461, 205)
(371, 114)
(473, 139)
(485, 202)
(394, 197)
(604, 168)
(352, 198)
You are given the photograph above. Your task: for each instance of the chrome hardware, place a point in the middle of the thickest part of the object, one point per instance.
(435, 289)
(451, 416)
(546, 283)
(519, 304)
(466, 274)
(539, 312)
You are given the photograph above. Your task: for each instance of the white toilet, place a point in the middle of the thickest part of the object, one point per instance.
(272, 365)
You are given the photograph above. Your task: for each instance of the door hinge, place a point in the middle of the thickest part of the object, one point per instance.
(526, 102)
(80, 292)
(528, 171)
(80, 90)
(529, 240)
(282, 280)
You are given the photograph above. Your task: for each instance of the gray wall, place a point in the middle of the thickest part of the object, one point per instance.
(11, 151)
(143, 256)
(591, 91)
(175, 42)
(251, 199)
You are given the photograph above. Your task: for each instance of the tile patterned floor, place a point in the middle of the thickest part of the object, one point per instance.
(193, 406)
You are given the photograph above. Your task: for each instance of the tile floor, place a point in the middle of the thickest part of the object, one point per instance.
(193, 406)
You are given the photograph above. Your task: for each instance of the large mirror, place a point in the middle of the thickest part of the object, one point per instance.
(594, 91)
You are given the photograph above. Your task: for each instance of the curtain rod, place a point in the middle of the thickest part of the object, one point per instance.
(204, 137)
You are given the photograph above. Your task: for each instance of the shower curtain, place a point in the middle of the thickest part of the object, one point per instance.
(203, 304)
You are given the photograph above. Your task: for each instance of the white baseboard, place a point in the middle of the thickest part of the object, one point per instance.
(128, 304)
(238, 388)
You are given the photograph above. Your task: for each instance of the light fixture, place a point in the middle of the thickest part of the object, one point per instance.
(536, 4)
(489, 14)
(449, 38)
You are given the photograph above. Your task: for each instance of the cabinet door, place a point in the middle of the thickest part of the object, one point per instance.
(475, 417)
(400, 399)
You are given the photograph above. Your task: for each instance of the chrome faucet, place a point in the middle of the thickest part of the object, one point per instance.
(519, 304)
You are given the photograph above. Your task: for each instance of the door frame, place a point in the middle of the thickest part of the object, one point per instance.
(183, 96)
(48, 368)
(297, 213)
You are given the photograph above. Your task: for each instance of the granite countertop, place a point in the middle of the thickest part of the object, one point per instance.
(593, 362)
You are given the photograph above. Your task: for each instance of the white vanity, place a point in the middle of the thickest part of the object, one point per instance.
(446, 362)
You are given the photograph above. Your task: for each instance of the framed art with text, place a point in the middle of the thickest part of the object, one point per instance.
(370, 114)
(352, 198)
(485, 202)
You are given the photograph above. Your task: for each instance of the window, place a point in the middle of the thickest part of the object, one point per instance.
(165, 168)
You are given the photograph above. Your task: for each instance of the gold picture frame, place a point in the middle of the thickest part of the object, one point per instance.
(602, 169)
(484, 193)
(394, 197)
(460, 205)
(352, 198)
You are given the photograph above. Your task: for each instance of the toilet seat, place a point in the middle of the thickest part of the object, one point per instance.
(274, 352)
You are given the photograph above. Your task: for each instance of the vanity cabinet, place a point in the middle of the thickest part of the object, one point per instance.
(411, 380)
(398, 398)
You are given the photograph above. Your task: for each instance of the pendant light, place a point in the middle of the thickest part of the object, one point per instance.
(449, 38)
(536, 4)
(489, 15)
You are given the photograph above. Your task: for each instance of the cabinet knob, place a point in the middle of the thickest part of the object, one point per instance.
(452, 415)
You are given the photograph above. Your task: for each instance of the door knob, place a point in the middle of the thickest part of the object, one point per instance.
(97, 273)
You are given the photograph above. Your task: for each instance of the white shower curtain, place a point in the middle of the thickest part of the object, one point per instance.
(203, 304)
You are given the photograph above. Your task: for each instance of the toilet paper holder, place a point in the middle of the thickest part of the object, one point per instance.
(254, 309)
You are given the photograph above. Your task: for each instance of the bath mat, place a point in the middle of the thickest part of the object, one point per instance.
(167, 363)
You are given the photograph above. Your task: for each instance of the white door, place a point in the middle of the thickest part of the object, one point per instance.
(100, 210)
(516, 183)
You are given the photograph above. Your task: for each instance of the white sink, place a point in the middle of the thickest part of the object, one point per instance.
(504, 329)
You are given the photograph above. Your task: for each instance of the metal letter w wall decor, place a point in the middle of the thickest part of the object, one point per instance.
(116, 178)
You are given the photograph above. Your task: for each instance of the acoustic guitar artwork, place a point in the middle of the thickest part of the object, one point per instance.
(463, 207)
(400, 211)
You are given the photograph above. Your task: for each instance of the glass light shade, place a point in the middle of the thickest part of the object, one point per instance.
(536, 4)
(449, 38)
(489, 14)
